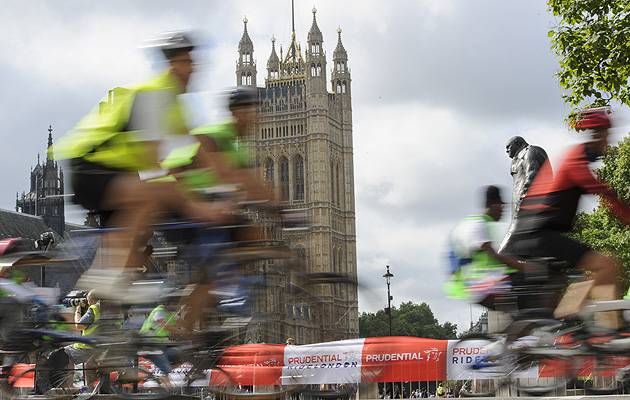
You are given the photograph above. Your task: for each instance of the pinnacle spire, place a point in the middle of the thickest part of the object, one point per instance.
(315, 35)
(50, 140)
(50, 143)
(245, 45)
(274, 62)
(340, 51)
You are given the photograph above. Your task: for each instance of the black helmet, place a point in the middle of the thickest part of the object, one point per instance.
(492, 195)
(173, 43)
(243, 96)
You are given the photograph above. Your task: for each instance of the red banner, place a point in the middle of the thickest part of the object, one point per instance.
(381, 359)
(250, 365)
(396, 359)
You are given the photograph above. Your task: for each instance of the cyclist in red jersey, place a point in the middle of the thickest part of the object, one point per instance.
(549, 209)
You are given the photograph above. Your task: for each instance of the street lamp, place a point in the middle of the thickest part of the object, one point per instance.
(388, 276)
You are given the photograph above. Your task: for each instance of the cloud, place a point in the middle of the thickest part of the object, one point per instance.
(438, 87)
(419, 171)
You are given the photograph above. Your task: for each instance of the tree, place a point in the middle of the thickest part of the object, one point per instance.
(592, 42)
(600, 229)
(410, 319)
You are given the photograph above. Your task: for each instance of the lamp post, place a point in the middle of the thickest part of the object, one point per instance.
(388, 276)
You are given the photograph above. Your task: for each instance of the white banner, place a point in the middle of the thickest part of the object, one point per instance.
(331, 362)
(462, 357)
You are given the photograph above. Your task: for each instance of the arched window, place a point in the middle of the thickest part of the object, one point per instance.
(335, 268)
(243, 79)
(343, 87)
(332, 183)
(284, 179)
(319, 69)
(301, 256)
(313, 70)
(340, 266)
(269, 171)
(298, 178)
(338, 87)
(338, 184)
(249, 78)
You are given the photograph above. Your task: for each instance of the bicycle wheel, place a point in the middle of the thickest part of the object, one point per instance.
(605, 374)
(543, 371)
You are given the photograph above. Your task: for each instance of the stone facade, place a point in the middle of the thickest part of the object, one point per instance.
(303, 147)
(45, 196)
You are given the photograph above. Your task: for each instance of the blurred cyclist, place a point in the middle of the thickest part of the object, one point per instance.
(219, 157)
(478, 271)
(549, 209)
(121, 138)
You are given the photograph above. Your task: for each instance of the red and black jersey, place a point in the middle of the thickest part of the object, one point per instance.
(554, 198)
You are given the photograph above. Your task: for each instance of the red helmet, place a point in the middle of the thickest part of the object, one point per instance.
(593, 118)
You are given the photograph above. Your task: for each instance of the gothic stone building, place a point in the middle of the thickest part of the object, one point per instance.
(303, 147)
(45, 196)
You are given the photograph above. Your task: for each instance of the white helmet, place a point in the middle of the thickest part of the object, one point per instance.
(172, 43)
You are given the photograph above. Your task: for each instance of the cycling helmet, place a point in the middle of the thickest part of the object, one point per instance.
(592, 118)
(173, 43)
(243, 96)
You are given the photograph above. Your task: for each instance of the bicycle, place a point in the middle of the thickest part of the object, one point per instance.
(536, 343)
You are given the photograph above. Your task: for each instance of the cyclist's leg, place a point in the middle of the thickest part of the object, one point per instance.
(138, 205)
(195, 304)
(605, 269)
(200, 299)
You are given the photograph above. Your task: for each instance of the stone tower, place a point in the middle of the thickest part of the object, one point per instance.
(45, 197)
(303, 146)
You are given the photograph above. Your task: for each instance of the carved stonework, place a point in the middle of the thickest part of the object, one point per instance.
(299, 116)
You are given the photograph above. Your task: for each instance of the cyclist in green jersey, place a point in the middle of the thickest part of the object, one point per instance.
(478, 271)
(219, 157)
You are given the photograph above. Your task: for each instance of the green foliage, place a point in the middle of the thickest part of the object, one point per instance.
(600, 229)
(410, 319)
(592, 41)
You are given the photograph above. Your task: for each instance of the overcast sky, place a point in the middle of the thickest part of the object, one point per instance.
(438, 86)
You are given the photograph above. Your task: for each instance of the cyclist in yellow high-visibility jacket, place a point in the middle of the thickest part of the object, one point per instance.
(112, 146)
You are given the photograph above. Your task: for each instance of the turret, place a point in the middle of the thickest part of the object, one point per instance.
(273, 64)
(341, 73)
(245, 66)
(315, 59)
